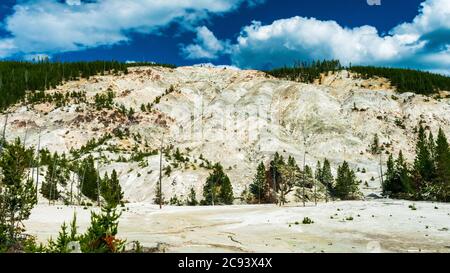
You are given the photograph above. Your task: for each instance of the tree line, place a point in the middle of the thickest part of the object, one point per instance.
(405, 80)
(272, 184)
(306, 72)
(16, 78)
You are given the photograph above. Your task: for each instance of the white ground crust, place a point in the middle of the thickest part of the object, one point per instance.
(382, 226)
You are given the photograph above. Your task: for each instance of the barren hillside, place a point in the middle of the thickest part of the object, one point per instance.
(237, 118)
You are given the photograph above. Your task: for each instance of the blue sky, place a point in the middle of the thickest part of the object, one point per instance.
(257, 34)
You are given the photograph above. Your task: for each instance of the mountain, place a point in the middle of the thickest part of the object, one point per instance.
(204, 114)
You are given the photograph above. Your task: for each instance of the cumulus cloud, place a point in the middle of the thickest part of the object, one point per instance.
(205, 46)
(53, 26)
(299, 38)
(423, 43)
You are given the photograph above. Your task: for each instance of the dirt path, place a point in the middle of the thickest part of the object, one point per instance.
(360, 226)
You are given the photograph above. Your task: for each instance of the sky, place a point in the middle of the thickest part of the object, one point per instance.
(257, 34)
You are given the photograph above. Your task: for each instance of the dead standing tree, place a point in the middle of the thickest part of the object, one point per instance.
(308, 134)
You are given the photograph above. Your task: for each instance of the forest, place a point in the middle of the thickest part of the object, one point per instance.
(404, 80)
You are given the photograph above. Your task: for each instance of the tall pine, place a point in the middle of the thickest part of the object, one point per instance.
(346, 185)
(423, 163)
(442, 159)
(258, 187)
(89, 178)
(327, 178)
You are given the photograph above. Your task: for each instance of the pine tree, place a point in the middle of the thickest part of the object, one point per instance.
(318, 173)
(192, 198)
(290, 173)
(308, 177)
(64, 238)
(100, 237)
(403, 174)
(258, 187)
(398, 181)
(423, 163)
(442, 160)
(89, 178)
(17, 194)
(275, 175)
(346, 185)
(375, 147)
(111, 190)
(217, 189)
(431, 146)
(57, 174)
(327, 177)
(159, 195)
(387, 186)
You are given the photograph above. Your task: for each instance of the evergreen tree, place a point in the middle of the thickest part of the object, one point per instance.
(64, 238)
(275, 176)
(398, 180)
(423, 163)
(442, 160)
(327, 177)
(111, 190)
(308, 177)
(218, 189)
(388, 183)
(318, 173)
(403, 174)
(375, 147)
(192, 198)
(258, 187)
(346, 185)
(159, 195)
(290, 173)
(100, 237)
(89, 178)
(305, 180)
(432, 147)
(57, 174)
(17, 194)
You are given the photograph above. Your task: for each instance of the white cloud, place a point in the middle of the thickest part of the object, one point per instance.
(206, 46)
(423, 43)
(434, 14)
(7, 47)
(297, 38)
(52, 26)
